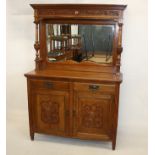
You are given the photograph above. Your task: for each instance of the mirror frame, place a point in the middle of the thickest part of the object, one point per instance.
(77, 14)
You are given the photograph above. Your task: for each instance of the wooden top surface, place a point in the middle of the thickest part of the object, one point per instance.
(76, 75)
(108, 6)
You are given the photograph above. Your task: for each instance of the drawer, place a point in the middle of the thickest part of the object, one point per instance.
(49, 84)
(94, 87)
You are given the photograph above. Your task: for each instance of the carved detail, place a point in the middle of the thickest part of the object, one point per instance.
(37, 59)
(79, 63)
(79, 12)
(119, 49)
(120, 34)
(50, 112)
(68, 62)
(92, 116)
(36, 17)
(100, 12)
(37, 47)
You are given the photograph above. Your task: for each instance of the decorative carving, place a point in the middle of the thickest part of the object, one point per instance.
(37, 47)
(68, 62)
(118, 64)
(50, 112)
(119, 49)
(92, 116)
(36, 18)
(79, 12)
(120, 34)
(79, 63)
(100, 12)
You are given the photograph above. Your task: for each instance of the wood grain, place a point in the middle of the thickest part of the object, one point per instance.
(77, 100)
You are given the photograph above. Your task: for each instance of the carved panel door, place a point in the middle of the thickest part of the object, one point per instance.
(93, 115)
(50, 112)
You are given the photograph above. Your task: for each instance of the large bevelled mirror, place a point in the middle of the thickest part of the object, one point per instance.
(79, 42)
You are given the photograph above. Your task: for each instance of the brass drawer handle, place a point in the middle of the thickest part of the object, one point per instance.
(94, 87)
(48, 85)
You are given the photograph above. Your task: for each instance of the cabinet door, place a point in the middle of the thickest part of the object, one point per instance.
(93, 115)
(50, 109)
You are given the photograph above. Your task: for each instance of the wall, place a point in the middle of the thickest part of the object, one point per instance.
(133, 94)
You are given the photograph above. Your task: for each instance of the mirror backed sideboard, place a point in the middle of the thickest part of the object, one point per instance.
(74, 89)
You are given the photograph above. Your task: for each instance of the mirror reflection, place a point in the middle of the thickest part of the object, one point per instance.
(79, 42)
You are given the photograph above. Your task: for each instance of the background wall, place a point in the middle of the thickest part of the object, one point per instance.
(132, 129)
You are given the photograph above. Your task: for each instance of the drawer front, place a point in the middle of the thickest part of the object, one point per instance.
(49, 84)
(94, 87)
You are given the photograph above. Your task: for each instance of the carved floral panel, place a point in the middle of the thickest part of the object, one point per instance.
(92, 115)
(49, 111)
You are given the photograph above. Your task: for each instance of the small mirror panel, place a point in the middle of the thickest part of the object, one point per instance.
(79, 42)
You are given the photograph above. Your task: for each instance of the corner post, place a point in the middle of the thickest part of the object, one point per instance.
(37, 43)
(119, 47)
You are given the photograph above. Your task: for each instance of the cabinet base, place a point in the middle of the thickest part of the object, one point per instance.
(113, 145)
(113, 142)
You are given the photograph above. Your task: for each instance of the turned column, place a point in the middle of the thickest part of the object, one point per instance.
(37, 43)
(119, 47)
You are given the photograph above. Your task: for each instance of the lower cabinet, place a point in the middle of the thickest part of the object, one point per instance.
(72, 109)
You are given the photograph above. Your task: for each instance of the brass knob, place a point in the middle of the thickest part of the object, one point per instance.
(76, 12)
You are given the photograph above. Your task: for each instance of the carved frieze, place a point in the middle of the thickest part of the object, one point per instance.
(78, 12)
